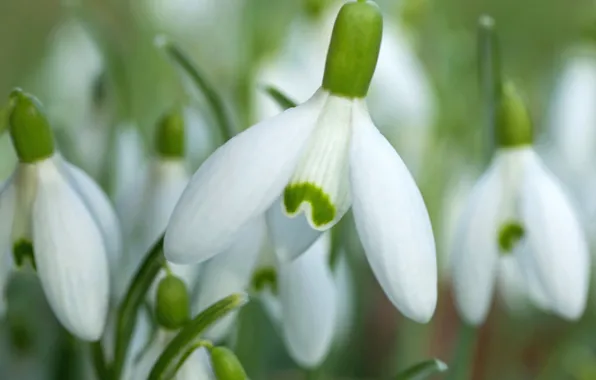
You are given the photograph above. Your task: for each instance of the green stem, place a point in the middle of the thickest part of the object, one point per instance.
(422, 370)
(489, 68)
(127, 314)
(461, 364)
(201, 343)
(167, 364)
(280, 98)
(99, 362)
(214, 99)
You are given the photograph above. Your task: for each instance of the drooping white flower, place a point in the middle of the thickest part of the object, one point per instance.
(57, 218)
(519, 202)
(321, 157)
(572, 121)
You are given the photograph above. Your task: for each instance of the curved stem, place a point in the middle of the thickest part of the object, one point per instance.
(99, 362)
(129, 308)
(201, 343)
(169, 361)
(211, 95)
(461, 364)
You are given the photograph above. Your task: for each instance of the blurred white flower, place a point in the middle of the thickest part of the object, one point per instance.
(572, 125)
(323, 153)
(73, 230)
(519, 208)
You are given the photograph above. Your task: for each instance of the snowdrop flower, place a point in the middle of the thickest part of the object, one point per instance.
(572, 123)
(54, 216)
(519, 208)
(167, 177)
(320, 157)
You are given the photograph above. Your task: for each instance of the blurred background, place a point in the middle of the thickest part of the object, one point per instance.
(95, 67)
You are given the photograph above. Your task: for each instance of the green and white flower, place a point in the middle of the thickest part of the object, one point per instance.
(321, 157)
(519, 208)
(57, 218)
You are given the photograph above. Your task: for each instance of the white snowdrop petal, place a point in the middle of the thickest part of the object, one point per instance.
(309, 304)
(101, 208)
(167, 180)
(475, 252)
(291, 236)
(320, 186)
(230, 272)
(142, 367)
(196, 367)
(238, 182)
(558, 245)
(534, 289)
(70, 255)
(392, 221)
(512, 285)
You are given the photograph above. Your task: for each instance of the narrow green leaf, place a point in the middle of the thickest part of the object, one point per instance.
(214, 99)
(129, 308)
(423, 370)
(99, 361)
(282, 99)
(167, 364)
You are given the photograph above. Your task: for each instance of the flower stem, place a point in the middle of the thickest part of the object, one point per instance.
(99, 362)
(461, 364)
(214, 99)
(169, 361)
(128, 311)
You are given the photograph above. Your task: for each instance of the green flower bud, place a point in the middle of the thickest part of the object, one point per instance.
(172, 309)
(354, 49)
(226, 365)
(29, 128)
(169, 137)
(513, 127)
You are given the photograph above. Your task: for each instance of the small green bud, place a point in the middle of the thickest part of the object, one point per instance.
(513, 127)
(509, 235)
(169, 137)
(354, 49)
(172, 309)
(29, 128)
(226, 365)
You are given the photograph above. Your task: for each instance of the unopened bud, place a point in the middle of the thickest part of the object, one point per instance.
(172, 308)
(226, 364)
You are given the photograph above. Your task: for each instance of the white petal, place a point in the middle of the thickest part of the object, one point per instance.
(475, 252)
(512, 285)
(237, 183)
(101, 208)
(309, 304)
(346, 300)
(196, 367)
(534, 289)
(230, 272)
(291, 236)
(392, 221)
(320, 185)
(558, 245)
(149, 356)
(70, 255)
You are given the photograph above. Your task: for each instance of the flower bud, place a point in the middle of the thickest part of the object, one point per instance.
(169, 138)
(226, 365)
(172, 308)
(29, 128)
(354, 49)
(513, 127)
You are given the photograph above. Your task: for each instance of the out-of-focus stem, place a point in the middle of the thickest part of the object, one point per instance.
(462, 363)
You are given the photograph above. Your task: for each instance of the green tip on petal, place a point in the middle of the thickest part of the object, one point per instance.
(265, 277)
(509, 235)
(513, 127)
(29, 128)
(322, 210)
(226, 364)
(22, 252)
(170, 135)
(172, 307)
(354, 49)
